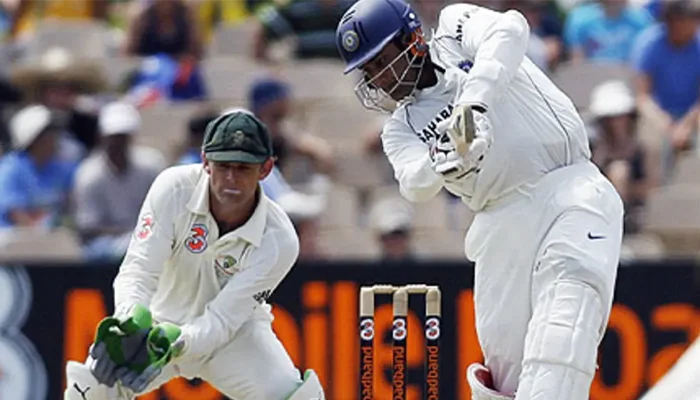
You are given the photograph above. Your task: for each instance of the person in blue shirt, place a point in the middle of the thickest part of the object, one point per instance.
(604, 30)
(667, 61)
(34, 183)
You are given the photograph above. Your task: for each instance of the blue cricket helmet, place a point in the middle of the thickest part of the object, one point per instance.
(369, 25)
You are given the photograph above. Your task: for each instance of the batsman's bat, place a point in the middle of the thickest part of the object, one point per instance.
(462, 129)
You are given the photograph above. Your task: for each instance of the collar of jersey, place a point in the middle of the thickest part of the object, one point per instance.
(251, 231)
(439, 88)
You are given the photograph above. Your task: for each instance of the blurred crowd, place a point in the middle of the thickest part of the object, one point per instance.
(98, 96)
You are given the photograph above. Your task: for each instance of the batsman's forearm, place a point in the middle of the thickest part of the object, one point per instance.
(410, 159)
(418, 182)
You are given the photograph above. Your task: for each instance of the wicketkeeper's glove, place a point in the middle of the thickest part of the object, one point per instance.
(130, 349)
(160, 348)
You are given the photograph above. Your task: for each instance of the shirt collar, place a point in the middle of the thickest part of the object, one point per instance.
(199, 201)
(252, 231)
(439, 88)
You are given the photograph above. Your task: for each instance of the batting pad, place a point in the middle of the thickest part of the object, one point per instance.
(561, 343)
(681, 381)
(475, 375)
(309, 390)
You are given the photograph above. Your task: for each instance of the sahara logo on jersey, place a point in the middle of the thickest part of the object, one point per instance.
(197, 241)
(430, 132)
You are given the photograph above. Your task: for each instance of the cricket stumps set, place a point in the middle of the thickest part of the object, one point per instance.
(400, 296)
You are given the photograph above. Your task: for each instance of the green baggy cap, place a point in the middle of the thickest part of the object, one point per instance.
(237, 137)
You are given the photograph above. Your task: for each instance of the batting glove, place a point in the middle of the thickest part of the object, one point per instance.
(446, 161)
(465, 136)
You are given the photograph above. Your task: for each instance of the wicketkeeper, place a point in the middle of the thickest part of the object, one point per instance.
(190, 296)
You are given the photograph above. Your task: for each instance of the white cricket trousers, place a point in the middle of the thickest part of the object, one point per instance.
(546, 262)
(253, 366)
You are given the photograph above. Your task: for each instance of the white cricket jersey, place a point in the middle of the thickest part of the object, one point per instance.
(535, 126)
(179, 267)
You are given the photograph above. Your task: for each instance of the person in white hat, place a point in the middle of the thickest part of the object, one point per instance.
(34, 182)
(616, 149)
(65, 85)
(392, 222)
(112, 183)
(304, 210)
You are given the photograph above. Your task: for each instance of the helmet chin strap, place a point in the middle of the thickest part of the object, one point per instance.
(374, 98)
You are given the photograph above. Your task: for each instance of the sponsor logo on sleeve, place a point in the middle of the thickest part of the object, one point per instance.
(144, 229)
(262, 297)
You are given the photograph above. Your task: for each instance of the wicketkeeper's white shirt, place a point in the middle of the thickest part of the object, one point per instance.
(179, 266)
(536, 128)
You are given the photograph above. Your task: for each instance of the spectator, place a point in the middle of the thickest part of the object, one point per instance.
(616, 150)
(667, 60)
(372, 137)
(9, 95)
(195, 129)
(428, 13)
(65, 85)
(270, 99)
(304, 211)
(309, 23)
(214, 13)
(166, 27)
(604, 30)
(29, 12)
(34, 183)
(161, 79)
(111, 184)
(392, 221)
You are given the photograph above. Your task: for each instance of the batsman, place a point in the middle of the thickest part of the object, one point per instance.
(191, 294)
(469, 112)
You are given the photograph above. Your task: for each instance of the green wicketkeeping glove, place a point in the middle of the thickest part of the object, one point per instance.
(160, 349)
(117, 342)
(131, 350)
